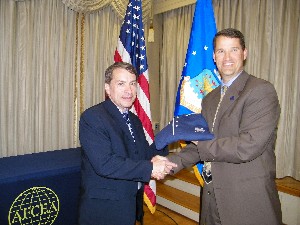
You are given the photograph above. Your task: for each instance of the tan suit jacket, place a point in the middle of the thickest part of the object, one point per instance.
(242, 152)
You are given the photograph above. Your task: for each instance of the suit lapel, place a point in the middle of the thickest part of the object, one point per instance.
(117, 117)
(231, 95)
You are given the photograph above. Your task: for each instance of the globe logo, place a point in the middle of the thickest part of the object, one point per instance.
(37, 205)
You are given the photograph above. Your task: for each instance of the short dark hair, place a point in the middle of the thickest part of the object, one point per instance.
(122, 65)
(231, 33)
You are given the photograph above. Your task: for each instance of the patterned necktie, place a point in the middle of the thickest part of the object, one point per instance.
(126, 117)
(206, 173)
(223, 90)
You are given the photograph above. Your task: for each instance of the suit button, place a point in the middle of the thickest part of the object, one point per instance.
(208, 193)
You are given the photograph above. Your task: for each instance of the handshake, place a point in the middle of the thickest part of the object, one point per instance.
(161, 167)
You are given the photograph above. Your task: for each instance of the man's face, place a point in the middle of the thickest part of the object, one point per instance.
(122, 88)
(229, 57)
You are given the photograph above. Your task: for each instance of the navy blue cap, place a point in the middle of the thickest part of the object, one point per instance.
(190, 127)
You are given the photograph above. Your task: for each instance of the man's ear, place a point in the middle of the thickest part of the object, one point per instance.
(245, 53)
(106, 87)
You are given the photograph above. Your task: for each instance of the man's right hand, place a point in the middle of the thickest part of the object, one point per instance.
(161, 167)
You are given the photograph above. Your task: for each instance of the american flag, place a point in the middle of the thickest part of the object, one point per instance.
(132, 49)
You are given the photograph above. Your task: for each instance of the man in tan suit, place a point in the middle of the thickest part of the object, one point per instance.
(240, 161)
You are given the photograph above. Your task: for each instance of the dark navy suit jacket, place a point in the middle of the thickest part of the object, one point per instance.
(112, 165)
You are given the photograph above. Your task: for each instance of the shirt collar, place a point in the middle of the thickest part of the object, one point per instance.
(231, 81)
(126, 110)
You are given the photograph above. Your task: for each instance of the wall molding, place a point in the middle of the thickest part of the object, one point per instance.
(161, 6)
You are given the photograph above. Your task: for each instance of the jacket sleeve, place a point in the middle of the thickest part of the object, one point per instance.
(153, 151)
(186, 158)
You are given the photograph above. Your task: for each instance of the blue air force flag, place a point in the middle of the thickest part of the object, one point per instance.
(199, 75)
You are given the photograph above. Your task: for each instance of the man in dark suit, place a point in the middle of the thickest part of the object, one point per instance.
(240, 161)
(116, 155)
